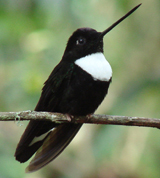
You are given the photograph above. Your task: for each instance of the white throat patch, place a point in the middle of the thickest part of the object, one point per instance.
(96, 65)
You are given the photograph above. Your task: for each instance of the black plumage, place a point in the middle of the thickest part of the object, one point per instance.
(70, 90)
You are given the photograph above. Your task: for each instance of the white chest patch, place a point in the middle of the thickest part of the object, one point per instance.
(96, 65)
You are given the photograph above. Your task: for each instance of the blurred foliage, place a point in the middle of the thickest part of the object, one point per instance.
(33, 36)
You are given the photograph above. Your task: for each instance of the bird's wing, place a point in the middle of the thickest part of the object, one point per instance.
(37, 131)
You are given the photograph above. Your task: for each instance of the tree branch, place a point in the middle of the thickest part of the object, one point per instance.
(94, 119)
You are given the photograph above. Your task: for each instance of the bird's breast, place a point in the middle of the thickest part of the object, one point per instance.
(96, 65)
(83, 94)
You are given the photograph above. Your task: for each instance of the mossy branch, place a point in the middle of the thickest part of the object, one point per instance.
(92, 119)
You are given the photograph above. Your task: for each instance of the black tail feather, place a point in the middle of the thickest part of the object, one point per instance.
(54, 144)
(34, 129)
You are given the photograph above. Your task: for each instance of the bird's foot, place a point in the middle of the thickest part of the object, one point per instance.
(69, 117)
(89, 116)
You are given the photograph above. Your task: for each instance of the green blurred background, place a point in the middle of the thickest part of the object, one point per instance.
(33, 36)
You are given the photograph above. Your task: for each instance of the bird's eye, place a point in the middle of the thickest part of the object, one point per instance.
(81, 41)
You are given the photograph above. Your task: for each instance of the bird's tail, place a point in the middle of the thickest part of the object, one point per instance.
(53, 145)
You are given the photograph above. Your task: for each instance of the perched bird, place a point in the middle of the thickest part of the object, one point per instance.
(76, 86)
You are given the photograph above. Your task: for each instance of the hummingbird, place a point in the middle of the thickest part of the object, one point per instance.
(75, 87)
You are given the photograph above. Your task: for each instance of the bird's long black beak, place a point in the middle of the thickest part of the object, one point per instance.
(117, 22)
